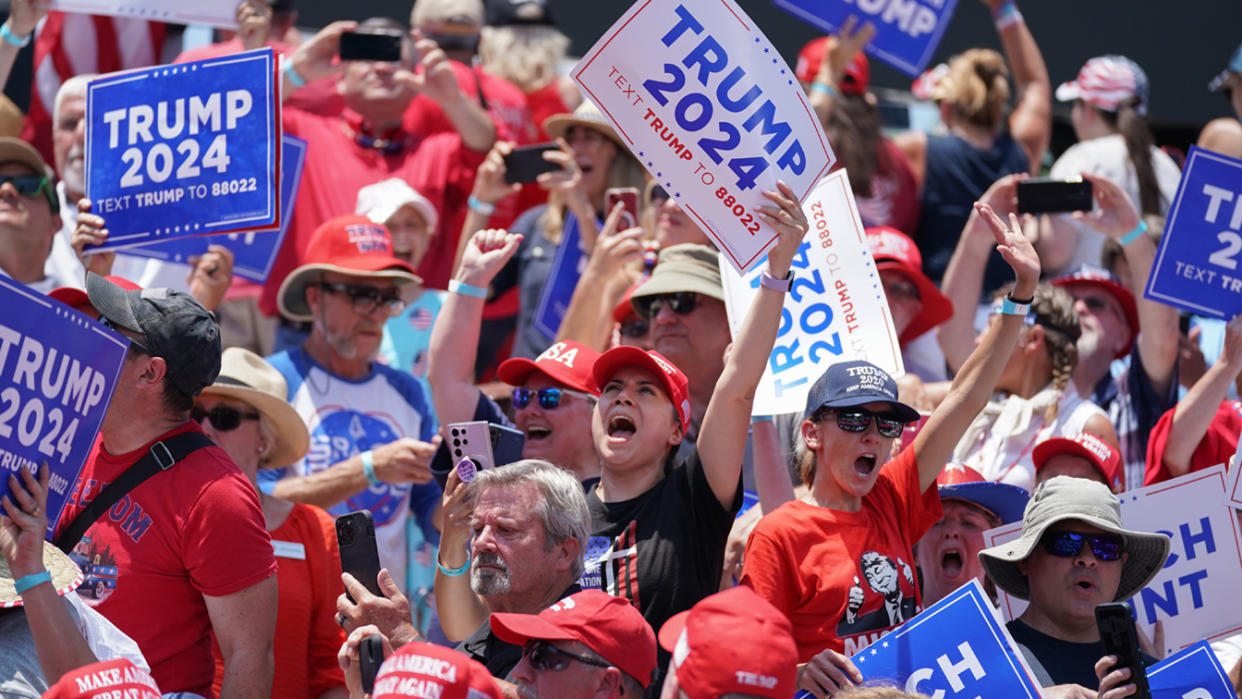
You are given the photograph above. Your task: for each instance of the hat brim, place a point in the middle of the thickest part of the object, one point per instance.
(619, 358)
(292, 295)
(1060, 445)
(1068, 92)
(557, 125)
(520, 628)
(291, 435)
(516, 370)
(112, 302)
(1125, 299)
(670, 632)
(672, 283)
(1145, 556)
(1004, 500)
(936, 308)
(902, 411)
(66, 576)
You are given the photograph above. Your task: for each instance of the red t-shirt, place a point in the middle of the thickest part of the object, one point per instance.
(545, 102)
(439, 167)
(844, 578)
(1216, 447)
(318, 96)
(307, 635)
(506, 103)
(193, 530)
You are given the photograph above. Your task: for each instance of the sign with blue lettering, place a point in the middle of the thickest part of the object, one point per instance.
(567, 268)
(707, 105)
(57, 368)
(1192, 673)
(836, 309)
(954, 648)
(907, 32)
(1196, 593)
(185, 150)
(1196, 267)
(253, 252)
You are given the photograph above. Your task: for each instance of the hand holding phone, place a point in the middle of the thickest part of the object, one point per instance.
(1120, 638)
(628, 198)
(355, 537)
(382, 45)
(1044, 195)
(370, 657)
(526, 163)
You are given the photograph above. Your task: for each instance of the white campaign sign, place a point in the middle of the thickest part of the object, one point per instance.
(708, 106)
(835, 311)
(1196, 595)
(215, 13)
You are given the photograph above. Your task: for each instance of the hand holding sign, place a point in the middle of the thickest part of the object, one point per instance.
(211, 276)
(827, 673)
(25, 15)
(90, 232)
(785, 216)
(25, 522)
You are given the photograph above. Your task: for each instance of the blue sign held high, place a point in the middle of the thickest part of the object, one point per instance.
(566, 270)
(185, 150)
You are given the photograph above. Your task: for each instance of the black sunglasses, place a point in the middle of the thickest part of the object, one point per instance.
(224, 418)
(549, 398)
(1106, 547)
(544, 656)
(858, 421)
(634, 329)
(367, 298)
(681, 302)
(30, 186)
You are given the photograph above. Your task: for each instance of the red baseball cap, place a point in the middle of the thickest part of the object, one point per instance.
(353, 245)
(732, 641)
(1103, 280)
(961, 482)
(566, 362)
(1101, 454)
(608, 625)
(894, 250)
(857, 74)
(112, 678)
(426, 670)
(675, 382)
(74, 297)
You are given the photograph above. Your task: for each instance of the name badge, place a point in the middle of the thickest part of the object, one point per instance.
(289, 549)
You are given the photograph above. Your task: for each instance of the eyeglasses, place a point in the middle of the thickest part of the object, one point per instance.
(549, 398)
(859, 420)
(30, 186)
(544, 656)
(366, 298)
(681, 302)
(107, 323)
(634, 329)
(1106, 547)
(225, 418)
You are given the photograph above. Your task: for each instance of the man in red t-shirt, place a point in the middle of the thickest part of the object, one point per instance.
(186, 551)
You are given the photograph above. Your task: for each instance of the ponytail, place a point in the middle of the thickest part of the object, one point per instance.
(1139, 144)
(854, 130)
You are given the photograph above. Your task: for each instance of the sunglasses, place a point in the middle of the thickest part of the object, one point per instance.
(681, 303)
(544, 656)
(30, 186)
(634, 329)
(549, 398)
(107, 323)
(859, 420)
(366, 299)
(225, 418)
(1106, 547)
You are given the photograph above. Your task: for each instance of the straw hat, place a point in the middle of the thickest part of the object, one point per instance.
(588, 115)
(245, 376)
(65, 576)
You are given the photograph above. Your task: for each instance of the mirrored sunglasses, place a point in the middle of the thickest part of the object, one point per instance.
(549, 398)
(1106, 547)
(858, 420)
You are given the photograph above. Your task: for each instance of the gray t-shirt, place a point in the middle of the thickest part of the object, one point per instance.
(20, 672)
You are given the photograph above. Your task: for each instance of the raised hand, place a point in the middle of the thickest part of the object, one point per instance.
(1015, 248)
(785, 217)
(485, 255)
(90, 230)
(25, 15)
(843, 47)
(435, 78)
(24, 523)
(1114, 214)
(211, 276)
(489, 180)
(315, 58)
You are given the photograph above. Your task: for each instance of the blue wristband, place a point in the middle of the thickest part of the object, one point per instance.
(25, 583)
(1006, 15)
(12, 39)
(825, 88)
(368, 468)
(451, 572)
(456, 287)
(1133, 235)
(756, 419)
(479, 206)
(290, 72)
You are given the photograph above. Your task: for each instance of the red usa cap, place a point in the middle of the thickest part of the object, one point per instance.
(1101, 454)
(106, 680)
(426, 670)
(675, 382)
(732, 641)
(608, 625)
(565, 362)
(74, 297)
(894, 250)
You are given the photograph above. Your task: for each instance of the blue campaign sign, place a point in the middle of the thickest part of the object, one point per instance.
(907, 32)
(58, 368)
(185, 150)
(1191, 673)
(254, 251)
(566, 269)
(1196, 267)
(955, 648)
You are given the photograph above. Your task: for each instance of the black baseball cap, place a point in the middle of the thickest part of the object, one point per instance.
(507, 12)
(854, 383)
(174, 327)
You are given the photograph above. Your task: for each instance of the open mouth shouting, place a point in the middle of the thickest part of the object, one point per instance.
(952, 562)
(621, 428)
(865, 466)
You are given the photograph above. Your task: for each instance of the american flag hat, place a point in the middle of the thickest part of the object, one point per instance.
(1107, 81)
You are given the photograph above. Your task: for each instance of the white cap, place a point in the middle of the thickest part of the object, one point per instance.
(381, 200)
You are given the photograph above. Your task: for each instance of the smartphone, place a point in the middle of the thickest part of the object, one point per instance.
(628, 196)
(1120, 639)
(355, 537)
(470, 444)
(370, 657)
(371, 45)
(524, 163)
(1044, 195)
(507, 444)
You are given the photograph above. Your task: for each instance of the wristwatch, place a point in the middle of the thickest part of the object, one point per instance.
(771, 282)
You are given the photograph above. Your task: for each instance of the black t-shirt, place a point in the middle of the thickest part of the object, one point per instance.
(496, 655)
(1060, 662)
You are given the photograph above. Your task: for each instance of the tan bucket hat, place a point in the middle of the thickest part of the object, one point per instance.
(66, 577)
(586, 114)
(247, 377)
(684, 267)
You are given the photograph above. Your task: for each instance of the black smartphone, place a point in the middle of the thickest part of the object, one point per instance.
(371, 45)
(507, 444)
(524, 163)
(1121, 639)
(355, 537)
(370, 657)
(1044, 195)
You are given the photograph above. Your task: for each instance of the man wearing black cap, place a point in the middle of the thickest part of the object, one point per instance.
(185, 551)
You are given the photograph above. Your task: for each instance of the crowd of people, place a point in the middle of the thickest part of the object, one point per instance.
(653, 538)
